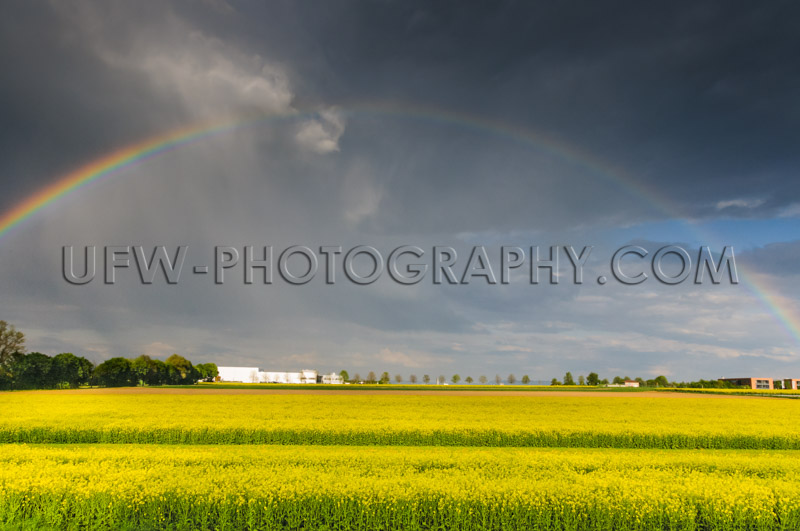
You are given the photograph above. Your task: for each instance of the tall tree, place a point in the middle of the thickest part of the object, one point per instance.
(115, 372)
(33, 371)
(207, 371)
(469, 379)
(385, 378)
(412, 378)
(398, 378)
(581, 380)
(456, 378)
(371, 378)
(526, 379)
(144, 369)
(11, 341)
(511, 379)
(184, 373)
(593, 379)
(568, 380)
(483, 379)
(344, 375)
(497, 379)
(70, 370)
(426, 378)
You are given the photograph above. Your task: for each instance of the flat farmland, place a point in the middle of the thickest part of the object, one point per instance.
(355, 418)
(215, 458)
(341, 487)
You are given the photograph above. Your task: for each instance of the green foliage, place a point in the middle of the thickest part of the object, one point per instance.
(568, 379)
(207, 371)
(147, 371)
(526, 379)
(32, 371)
(71, 371)
(455, 379)
(592, 379)
(115, 372)
(180, 370)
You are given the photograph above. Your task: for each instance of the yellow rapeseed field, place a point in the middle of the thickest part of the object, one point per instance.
(682, 421)
(197, 487)
(351, 460)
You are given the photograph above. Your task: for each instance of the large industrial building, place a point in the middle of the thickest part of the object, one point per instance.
(752, 383)
(256, 375)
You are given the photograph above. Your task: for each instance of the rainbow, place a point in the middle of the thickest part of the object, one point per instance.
(105, 166)
(112, 163)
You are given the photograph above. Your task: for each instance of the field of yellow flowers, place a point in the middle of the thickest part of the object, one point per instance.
(269, 487)
(354, 461)
(445, 419)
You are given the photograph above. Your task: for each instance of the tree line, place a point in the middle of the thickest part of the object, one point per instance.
(21, 370)
(592, 379)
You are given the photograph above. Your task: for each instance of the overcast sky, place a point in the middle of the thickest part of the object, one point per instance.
(403, 123)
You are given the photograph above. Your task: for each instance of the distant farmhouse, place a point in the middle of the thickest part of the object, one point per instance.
(626, 383)
(256, 375)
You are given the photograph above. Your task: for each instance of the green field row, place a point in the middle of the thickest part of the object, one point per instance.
(269, 487)
(685, 421)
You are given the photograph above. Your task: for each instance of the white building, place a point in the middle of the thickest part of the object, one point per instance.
(255, 375)
(627, 383)
(332, 378)
(238, 374)
(279, 377)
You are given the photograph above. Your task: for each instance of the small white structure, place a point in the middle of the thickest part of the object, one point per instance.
(628, 383)
(332, 378)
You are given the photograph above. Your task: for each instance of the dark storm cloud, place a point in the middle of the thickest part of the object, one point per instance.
(695, 99)
(60, 105)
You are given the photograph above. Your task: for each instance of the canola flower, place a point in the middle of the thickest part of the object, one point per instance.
(683, 421)
(329, 487)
